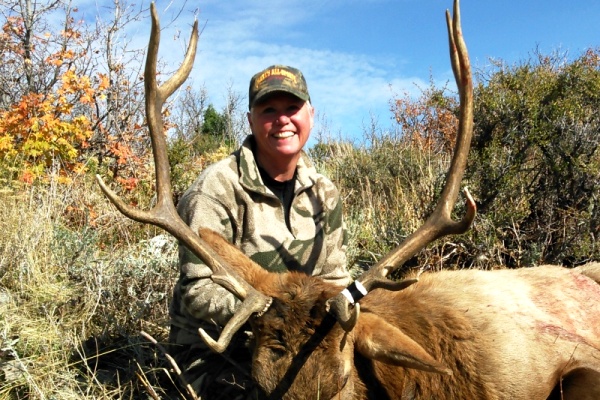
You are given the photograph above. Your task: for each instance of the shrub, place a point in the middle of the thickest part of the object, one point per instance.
(535, 159)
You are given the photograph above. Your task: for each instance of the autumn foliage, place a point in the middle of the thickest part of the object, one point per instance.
(430, 121)
(44, 129)
(55, 115)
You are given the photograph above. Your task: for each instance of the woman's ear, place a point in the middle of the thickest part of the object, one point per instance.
(311, 111)
(249, 116)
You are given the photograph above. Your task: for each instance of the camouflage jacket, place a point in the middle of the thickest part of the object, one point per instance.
(230, 197)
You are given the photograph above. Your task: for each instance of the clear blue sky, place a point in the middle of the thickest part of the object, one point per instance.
(356, 53)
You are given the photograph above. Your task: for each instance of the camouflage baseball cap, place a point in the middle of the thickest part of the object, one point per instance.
(277, 78)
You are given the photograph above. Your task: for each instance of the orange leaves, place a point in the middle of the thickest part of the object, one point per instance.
(62, 115)
(62, 57)
(27, 177)
(81, 214)
(47, 128)
(13, 27)
(44, 128)
(71, 34)
(80, 86)
(122, 153)
(103, 83)
(428, 121)
(591, 58)
(128, 184)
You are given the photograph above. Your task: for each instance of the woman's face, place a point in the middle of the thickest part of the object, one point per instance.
(281, 124)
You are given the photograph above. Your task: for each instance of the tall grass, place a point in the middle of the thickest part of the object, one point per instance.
(77, 284)
(389, 186)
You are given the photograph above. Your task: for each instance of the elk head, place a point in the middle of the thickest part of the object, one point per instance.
(300, 350)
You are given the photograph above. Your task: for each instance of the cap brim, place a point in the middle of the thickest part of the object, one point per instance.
(267, 91)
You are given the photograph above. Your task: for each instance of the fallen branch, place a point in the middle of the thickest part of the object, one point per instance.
(188, 387)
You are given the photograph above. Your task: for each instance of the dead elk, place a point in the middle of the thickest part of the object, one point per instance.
(530, 333)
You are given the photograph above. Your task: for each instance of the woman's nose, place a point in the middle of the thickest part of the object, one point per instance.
(282, 119)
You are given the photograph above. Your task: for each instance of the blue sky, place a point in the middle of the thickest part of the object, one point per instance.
(357, 54)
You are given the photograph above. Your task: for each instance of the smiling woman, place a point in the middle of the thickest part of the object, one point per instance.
(281, 118)
(269, 201)
(281, 125)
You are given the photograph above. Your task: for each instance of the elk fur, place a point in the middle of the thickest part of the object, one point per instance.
(529, 333)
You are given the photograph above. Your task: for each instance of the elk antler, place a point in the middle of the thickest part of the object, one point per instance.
(440, 222)
(164, 214)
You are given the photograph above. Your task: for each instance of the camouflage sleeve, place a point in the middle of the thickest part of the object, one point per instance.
(198, 296)
(335, 269)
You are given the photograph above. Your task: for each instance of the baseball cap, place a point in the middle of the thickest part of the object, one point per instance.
(277, 78)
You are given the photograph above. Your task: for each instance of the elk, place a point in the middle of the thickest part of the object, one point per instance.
(530, 333)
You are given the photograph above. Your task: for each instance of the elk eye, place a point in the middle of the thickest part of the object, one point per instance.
(279, 336)
(275, 346)
(314, 312)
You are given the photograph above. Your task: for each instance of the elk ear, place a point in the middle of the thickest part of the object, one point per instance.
(378, 340)
(251, 272)
(231, 255)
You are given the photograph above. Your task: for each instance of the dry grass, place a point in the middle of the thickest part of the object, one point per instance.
(77, 284)
(389, 187)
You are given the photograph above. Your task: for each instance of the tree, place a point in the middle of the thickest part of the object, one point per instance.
(34, 50)
(45, 91)
(188, 113)
(119, 142)
(429, 121)
(214, 123)
(71, 96)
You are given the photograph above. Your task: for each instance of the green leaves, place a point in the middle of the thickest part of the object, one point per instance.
(535, 155)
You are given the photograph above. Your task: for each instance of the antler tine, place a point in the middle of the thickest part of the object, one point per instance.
(440, 222)
(164, 213)
(155, 99)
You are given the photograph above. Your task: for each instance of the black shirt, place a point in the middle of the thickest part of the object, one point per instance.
(283, 190)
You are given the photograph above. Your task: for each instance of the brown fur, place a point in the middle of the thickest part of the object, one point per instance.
(531, 333)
